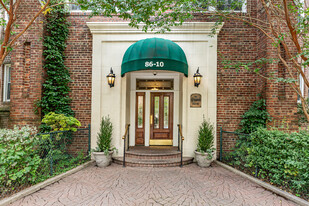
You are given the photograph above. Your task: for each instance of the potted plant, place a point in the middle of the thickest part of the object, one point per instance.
(103, 153)
(205, 146)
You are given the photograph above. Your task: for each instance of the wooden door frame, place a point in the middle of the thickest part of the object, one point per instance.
(171, 112)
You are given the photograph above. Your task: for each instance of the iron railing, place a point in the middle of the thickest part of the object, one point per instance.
(74, 136)
(180, 143)
(126, 143)
(221, 140)
(229, 156)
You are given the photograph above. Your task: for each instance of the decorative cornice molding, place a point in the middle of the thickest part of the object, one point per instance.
(123, 27)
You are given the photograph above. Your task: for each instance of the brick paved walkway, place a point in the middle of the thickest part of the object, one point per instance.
(119, 186)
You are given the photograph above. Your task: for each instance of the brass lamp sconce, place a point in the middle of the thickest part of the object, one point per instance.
(197, 78)
(111, 78)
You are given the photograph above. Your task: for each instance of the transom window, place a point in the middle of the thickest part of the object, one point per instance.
(154, 84)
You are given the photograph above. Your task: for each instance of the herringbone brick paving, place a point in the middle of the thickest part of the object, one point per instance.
(190, 185)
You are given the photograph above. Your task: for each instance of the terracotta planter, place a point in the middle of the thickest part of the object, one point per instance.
(202, 160)
(101, 159)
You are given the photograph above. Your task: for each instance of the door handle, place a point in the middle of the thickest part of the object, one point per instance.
(151, 118)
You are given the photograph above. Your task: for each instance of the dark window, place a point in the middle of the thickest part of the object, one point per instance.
(7, 83)
(281, 74)
(235, 5)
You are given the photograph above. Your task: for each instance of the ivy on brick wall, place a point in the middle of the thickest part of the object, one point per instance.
(56, 89)
(257, 116)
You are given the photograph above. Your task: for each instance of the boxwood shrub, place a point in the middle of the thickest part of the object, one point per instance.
(282, 158)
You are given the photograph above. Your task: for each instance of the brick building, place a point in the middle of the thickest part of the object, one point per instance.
(138, 98)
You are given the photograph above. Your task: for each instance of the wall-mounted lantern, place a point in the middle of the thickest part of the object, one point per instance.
(111, 78)
(197, 77)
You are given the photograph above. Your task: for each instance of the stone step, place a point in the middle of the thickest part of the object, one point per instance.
(153, 156)
(136, 162)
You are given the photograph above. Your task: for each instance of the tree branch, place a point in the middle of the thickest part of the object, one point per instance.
(16, 5)
(6, 9)
(292, 30)
(7, 33)
(248, 22)
(29, 24)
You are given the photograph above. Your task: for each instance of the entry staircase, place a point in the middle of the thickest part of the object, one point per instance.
(153, 156)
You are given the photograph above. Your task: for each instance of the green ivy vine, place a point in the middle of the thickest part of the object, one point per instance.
(56, 89)
(257, 116)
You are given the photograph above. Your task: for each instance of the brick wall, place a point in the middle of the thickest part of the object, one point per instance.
(4, 106)
(26, 76)
(235, 90)
(4, 117)
(281, 100)
(79, 143)
(79, 62)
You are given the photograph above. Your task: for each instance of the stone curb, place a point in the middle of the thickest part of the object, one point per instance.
(41, 185)
(267, 186)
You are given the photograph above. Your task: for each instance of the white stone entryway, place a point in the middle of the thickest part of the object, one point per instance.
(110, 42)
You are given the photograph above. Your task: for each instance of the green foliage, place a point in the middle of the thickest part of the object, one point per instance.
(51, 143)
(153, 13)
(25, 158)
(18, 157)
(206, 139)
(300, 112)
(157, 14)
(60, 122)
(257, 116)
(282, 158)
(55, 89)
(62, 162)
(65, 162)
(105, 136)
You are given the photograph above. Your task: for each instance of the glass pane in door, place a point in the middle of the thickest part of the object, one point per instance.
(140, 111)
(166, 111)
(156, 112)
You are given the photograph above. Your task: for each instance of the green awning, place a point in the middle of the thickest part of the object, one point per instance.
(154, 54)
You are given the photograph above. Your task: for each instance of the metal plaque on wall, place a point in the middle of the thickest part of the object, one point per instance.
(196, 100)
